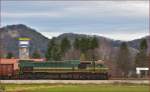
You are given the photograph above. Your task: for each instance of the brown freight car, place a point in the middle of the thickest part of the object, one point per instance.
(6, 71)
(8, 68)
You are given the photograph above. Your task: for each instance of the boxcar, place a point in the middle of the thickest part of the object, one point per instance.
(6, 71)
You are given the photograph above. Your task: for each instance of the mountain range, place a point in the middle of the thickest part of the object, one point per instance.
(10, 33)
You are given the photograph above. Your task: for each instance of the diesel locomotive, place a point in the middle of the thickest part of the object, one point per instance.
(66, 70)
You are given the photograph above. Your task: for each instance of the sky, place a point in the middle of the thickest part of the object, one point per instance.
(118, 20)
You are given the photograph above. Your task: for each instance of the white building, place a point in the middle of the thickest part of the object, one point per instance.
(142, 71)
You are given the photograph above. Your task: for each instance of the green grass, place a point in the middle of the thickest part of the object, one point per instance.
(76, 88)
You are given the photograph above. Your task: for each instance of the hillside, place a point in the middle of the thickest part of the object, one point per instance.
(10, 33)
(135, 43)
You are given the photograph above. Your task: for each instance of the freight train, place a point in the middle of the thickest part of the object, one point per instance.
(65, 70)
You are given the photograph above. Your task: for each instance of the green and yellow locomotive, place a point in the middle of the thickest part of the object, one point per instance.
(68, 69)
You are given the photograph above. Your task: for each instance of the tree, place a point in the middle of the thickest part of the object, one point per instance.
(123, 59)
(65, 45)
(56, 53)
(53, 51)
(36, 54)
(141, 58)
(9, 55)
(93, 45)
(87, 46)
(76, 44)
(84, 44)
(143, 45)
(48, 54)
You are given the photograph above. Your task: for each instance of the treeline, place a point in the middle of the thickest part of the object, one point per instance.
(86, 49)
(124, 63)
(80, 48)
(36, 55)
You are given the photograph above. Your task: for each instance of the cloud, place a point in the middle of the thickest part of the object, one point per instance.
(30, 14)
(122, 20)
(74, 9)
(108, 8)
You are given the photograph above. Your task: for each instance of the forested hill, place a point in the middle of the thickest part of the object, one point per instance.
(10, 33)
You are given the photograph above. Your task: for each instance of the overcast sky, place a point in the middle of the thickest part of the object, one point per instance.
(119, 20)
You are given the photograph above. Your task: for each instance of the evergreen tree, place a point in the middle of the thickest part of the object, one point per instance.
(56, 53)
(48, 54)
(141, 58)
(84, 44)
(76, 44)
(143, 45)
(87, 46)
(65, 45)
(53, 51)
(36, 54)
(9, 55)
(94, 43)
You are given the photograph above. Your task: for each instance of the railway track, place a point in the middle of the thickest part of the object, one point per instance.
(75, 81)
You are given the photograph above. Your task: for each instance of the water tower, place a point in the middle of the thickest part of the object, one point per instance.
(24, 48)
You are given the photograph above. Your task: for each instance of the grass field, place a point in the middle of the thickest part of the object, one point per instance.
(76, 88)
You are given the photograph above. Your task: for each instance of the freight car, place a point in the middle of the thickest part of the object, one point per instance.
(68, 69)
(8, 68)
(6, 71)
